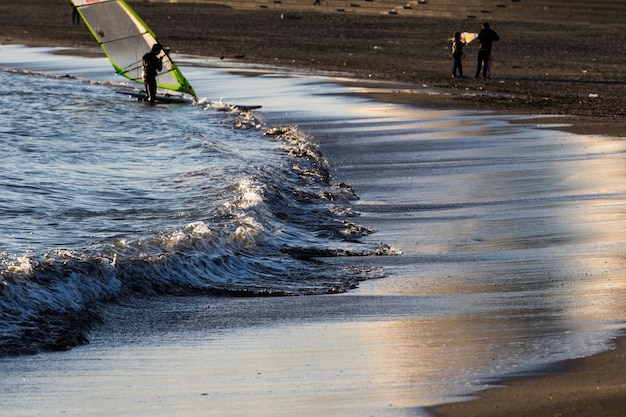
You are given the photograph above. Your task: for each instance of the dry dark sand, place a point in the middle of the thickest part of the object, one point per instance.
(575, 71)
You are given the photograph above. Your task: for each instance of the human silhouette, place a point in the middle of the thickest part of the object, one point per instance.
(486, 37)
(152, 63)
(457, 55)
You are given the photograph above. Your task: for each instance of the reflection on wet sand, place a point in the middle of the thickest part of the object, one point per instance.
(527, 221)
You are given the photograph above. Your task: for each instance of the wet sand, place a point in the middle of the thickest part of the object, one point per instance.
(592, 386)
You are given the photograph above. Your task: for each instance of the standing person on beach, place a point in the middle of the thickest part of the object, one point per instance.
(152, 63)
(457, 55)
(486, 37)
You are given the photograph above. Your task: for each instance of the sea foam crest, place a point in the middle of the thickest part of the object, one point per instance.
(21, 265)
(198, 228)
(251, 193)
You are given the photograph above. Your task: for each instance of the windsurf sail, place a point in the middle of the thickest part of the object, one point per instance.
(125, 38)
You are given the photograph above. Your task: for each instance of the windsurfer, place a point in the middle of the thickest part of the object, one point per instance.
(486, 37)
(152, 63)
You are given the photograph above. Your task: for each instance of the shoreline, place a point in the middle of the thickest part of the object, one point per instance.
(443, 98)
(451, 99)
(590, 386)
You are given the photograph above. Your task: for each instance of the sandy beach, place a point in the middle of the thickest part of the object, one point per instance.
(582, 92)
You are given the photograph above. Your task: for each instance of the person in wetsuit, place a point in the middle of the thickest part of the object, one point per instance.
(152, 64)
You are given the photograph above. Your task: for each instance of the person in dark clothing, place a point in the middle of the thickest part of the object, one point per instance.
(457, 55)
(486, 37)
(152, 63)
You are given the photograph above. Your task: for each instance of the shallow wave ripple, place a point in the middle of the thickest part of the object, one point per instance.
(259, 224)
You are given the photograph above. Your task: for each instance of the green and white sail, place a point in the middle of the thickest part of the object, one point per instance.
(125, 38)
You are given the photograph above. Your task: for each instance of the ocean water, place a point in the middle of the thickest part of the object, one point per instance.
(105, 197)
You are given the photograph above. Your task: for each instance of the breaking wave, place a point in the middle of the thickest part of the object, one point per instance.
(264, 231)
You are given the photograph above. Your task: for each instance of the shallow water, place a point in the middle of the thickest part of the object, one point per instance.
(510, 239)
